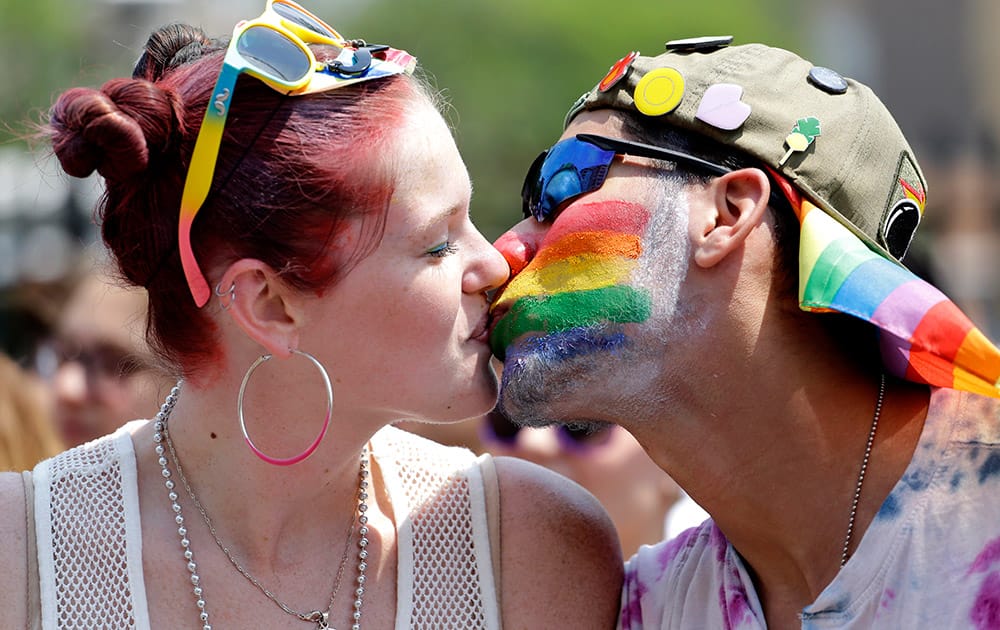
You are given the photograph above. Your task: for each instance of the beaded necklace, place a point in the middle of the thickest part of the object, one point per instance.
(320, 618)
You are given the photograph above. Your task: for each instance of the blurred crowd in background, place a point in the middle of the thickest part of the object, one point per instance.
(73, 363)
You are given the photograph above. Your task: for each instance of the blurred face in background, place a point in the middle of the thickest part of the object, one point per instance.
(97, 364)
(604, 459)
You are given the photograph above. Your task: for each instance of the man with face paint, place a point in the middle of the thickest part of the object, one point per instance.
(711, 259)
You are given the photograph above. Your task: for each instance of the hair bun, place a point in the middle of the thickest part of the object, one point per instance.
(115, 130)
(171, 46)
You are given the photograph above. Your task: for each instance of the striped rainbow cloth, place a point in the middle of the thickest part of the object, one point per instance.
(925, 337)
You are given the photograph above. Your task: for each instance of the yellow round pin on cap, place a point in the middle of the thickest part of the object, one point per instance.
(659, 91)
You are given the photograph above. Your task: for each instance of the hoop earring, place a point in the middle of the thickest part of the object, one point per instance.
(278, 461)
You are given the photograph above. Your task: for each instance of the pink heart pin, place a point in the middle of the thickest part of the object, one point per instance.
(721, 106)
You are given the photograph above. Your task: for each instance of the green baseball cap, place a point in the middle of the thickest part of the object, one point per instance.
(828, 135)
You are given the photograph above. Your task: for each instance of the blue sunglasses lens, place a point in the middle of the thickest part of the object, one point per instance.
(569, 169)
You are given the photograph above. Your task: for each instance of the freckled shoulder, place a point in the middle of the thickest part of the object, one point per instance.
(13, 549)
(561, 561)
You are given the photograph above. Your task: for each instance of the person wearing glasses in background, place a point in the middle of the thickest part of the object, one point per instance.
(98, 368)
(644, 503)
(710, 258)
(302, 232)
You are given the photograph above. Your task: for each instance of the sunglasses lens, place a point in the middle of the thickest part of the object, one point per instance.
(293, 14)
(569, 169)
(581, 438)
(273, 54)
(501, 428)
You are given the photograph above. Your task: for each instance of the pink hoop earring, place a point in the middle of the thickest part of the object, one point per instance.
(288, 461)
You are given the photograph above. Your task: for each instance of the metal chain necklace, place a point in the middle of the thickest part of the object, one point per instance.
(315, 616)
(864, 468)
(320, 618)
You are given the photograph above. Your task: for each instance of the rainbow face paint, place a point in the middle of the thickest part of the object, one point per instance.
(579, 278)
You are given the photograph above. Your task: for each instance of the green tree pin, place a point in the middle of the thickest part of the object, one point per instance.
(803, 134)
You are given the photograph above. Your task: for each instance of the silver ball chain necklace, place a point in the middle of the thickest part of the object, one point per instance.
(320, 618)
(864, 468)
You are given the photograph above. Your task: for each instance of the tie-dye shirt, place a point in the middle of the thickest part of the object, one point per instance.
(930, 559)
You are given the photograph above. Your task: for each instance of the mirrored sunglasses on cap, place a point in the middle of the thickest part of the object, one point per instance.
(273, 48)
(579, 165)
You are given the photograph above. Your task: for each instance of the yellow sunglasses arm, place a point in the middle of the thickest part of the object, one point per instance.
(199, 178)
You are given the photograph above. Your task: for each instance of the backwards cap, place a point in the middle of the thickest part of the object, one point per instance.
(856, 187)
(828, 135)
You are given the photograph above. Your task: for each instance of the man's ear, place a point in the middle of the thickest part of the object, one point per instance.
(735, 204)
(262, 305)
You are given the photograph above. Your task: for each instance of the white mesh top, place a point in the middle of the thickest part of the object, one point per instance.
(89, 540)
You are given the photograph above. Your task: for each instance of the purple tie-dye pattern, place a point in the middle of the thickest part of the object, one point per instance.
(926, 534)
(684, 540)
(986, 557)
(886, 602)
(733, 599)
(985, 613)
(630, 616)
(718, 540)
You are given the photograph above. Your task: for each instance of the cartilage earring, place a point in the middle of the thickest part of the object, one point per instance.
(221, 294)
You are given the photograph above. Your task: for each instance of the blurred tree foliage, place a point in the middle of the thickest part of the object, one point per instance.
(512, 68)
(509, 68)
(40, 44)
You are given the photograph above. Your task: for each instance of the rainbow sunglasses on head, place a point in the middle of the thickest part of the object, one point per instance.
(274, 49)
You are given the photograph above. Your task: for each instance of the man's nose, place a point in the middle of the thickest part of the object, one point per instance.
(520, 243)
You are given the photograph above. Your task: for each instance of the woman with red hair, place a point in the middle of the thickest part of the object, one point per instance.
(300, 222)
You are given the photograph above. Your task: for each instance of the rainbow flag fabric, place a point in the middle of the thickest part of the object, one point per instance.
(925, 337)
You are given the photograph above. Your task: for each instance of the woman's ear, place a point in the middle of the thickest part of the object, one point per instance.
(736, 204)
(263, 306)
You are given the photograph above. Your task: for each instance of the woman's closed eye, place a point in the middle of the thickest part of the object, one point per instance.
(442, 249)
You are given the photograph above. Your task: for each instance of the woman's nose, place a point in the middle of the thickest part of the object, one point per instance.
(487, 271)
(519, 244)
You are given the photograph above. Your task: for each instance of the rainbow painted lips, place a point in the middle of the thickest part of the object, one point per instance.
(578, 280)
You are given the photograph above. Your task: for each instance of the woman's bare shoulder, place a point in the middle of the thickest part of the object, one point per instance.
(561, 559)
(13, 548)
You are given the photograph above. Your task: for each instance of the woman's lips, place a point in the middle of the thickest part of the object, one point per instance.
(483, 329)
(496, 315)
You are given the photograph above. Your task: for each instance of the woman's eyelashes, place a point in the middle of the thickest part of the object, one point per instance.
(442, 249)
